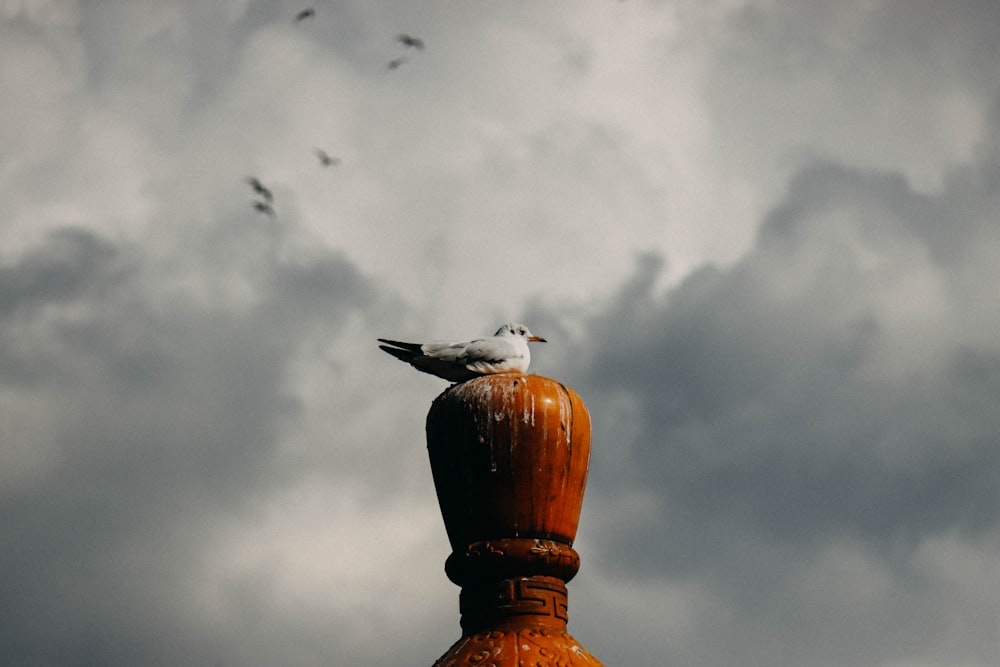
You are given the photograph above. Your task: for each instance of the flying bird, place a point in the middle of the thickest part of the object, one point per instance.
(326, 159)
(305, 14)
(263, 207)
(411, 42)
(505, 352)
(259, 188)
(395, 63)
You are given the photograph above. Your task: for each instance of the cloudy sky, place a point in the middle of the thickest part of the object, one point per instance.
(761, 236)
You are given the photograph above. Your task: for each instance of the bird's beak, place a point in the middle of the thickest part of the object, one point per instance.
(537, 339)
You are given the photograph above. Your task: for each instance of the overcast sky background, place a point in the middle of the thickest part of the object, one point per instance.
(762, 238)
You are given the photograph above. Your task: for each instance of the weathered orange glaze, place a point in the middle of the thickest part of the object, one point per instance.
(518, 645)
(509, 456)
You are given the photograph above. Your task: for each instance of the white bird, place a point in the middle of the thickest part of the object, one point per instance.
(505, 352)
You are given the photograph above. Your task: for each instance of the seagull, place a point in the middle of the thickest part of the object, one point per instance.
(326, 159)
(305, 14)
(396, 62)
(505, 352)
(409, 41)
(263, 207)
(259, 188)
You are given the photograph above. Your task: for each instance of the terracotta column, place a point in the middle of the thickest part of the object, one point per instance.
(509, 455)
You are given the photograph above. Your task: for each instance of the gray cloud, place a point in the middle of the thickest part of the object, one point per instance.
(850, 82)
(827, 389)
(132, 471)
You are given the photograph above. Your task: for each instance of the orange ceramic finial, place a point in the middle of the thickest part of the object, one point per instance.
(509, 455)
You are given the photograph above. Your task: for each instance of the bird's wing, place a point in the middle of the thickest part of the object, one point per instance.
(436, 358)
(492, 355)
(445, 351)
(487, 349)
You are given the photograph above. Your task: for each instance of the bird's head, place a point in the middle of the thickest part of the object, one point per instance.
(516, 329)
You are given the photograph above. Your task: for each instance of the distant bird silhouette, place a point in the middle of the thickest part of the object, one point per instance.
(412, 42)
(396, 63)
(326, 159)
(305, 14)
(259, 188)
(263, 207)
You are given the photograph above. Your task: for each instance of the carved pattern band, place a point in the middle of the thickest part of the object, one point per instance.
(538, 646)
(512, 557)
(544, 599)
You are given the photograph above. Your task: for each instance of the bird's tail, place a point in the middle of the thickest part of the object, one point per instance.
(402, 351)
